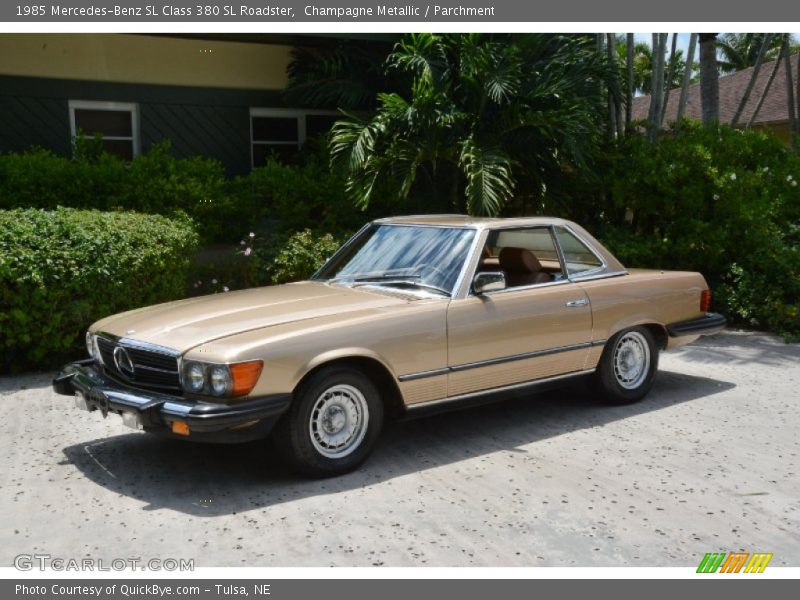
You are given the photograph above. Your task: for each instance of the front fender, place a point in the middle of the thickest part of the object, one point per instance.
(338, 354)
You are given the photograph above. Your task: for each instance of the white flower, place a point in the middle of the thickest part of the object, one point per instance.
(733, 176)
(252, 235)
(214, 281)
(241, 243)
(225, 289)
(248, 251)
(765, 169)
(716, 196)
(794, 184)
(789, 178)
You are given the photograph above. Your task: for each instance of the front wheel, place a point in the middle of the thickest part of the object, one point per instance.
(628, 366)
(333, 423)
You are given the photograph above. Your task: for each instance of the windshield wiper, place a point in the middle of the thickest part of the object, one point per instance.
(400, 282)
(371, 278)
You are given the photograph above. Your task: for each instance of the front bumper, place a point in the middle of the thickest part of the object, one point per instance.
(707, 324)
(158, 413)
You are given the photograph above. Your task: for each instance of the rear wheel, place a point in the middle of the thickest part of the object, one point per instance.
(332, 424)
(628, 366)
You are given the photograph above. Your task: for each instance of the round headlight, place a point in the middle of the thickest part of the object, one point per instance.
(194, 377)
(90, 344)
(220, 380)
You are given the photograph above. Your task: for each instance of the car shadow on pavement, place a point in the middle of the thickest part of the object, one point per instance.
(211, 480)
(742, 348)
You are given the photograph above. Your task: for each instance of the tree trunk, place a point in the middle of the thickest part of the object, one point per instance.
(668, 83)
(610, 127)
(657, 94)
(615, 108)
(687, 78)
(629, 93)
(797, 97)
(767, 87)
(753, 78)
(709, 78)
(653, 61)
(787, 62)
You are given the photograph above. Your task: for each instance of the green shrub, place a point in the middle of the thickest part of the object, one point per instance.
(720, 201)
(40, 179)
(277, 196)
(155, 182)
(300, 196)
(61, 270)
(297, 256)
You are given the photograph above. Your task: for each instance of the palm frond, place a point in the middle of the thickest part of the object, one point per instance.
(489, 181)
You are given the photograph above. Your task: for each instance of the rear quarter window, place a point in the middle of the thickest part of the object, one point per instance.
(580, 259)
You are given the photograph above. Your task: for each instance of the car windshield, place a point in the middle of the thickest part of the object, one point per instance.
(428, 258)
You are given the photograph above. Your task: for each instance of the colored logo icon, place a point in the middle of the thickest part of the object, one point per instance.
(734, 562)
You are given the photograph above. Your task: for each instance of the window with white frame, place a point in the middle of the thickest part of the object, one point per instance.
(117, 124)
(283, 131)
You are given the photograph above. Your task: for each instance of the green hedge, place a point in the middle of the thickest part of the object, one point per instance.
(61, 270)
(301, 255)
(155, 182)
(301, 196)
(289, 197)
(717, 200)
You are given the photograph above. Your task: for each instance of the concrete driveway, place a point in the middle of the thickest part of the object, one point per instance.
(708, 462)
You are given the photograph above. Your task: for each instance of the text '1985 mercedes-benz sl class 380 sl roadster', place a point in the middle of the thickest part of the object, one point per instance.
(413, 314)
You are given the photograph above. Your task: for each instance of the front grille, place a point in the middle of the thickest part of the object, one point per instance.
(151, 369)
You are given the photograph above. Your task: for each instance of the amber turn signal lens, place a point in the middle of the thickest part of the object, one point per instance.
(705, 300)
(244, 376)
(180, 428)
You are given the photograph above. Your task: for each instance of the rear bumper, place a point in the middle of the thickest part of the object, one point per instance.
(156, 412)
(707, 324)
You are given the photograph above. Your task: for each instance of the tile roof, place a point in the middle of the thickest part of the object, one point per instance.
(731, 90)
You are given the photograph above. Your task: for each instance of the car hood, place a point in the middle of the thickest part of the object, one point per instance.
(187, 323)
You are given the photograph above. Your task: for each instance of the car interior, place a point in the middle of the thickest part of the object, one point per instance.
(525, 256)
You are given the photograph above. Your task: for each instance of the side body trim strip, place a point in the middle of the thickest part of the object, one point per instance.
(505, 388)
(497, 361)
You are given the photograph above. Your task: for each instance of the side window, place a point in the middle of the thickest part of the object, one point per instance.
(526, 256)
(116, 123)
(283, 131)
(580, 259)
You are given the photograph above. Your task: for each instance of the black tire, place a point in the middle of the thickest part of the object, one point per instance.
(610, 380)
(294, 436)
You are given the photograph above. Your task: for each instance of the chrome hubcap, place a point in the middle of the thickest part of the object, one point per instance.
(631, 360)
(338, 421)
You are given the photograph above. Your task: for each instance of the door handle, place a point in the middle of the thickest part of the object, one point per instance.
(575, 303)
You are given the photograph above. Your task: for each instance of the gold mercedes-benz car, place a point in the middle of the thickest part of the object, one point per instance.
(413, 314)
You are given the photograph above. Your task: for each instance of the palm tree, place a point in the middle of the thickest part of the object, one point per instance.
(687, 77)
(642, 67)
(671, 74)
(767, 87)
(482, 114)
(737, 51)
(628, 79)
(765, 44)
(657, 85)
(709, 78)
(614, 101)
(794, 127)
(347, 75)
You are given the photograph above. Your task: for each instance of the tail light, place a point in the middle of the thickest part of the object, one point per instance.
(705, 300)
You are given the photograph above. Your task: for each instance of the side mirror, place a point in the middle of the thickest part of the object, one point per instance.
(489, 282)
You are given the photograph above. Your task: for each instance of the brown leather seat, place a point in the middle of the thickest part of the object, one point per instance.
(521, 267)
